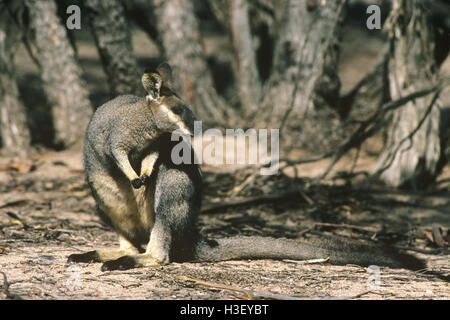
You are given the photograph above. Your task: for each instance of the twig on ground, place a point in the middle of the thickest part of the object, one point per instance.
(302, 194)
(425, 251)
(347, 226)
(6, 285)
(216, 285)
(236, 190)
(252, 294)
(247, 201)
(311, 261)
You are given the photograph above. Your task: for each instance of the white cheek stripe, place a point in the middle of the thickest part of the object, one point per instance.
(175, 119)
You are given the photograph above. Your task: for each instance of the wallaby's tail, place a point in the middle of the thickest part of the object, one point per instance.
(339, 251)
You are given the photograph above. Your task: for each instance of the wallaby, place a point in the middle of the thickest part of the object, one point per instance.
(154, 211)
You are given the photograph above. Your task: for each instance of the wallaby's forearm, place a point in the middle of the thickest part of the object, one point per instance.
(148, 163)
(121, 159)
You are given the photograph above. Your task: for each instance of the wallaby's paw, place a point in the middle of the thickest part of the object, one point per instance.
(123, 263)
(144, 179)
(136, 183)
(91, 256)
(139, 182)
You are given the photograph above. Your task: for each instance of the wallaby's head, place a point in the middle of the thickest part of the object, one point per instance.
(170, 112)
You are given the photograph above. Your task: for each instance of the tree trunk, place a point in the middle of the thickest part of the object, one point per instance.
(306, 49)
(61, 75)
(445, 131)
(246, 70)
(412, 152)
(180, 36)
(14, 131)
(113, 39)
(141, 12)
(368, 94)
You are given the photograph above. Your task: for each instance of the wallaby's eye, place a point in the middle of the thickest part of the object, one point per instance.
(177, 110)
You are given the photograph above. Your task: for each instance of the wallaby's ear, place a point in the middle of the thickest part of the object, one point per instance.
(165, 72)
(152, 83)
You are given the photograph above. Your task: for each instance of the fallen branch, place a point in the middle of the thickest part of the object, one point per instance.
(347, 226)
(17, 218)
(252, 200)
(216, 285)
(236, 190)
(425, 251)
(252, 294)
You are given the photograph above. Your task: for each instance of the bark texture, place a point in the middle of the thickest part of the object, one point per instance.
(180, 36)
(413, 149)
(142, 14)
(60, 72)
(246, 70)
(113, 39)
(306, 49)
(14, 130)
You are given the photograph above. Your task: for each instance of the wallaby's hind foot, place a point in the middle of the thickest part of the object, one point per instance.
(86, 257)
(156, 253)
(133, 261)
(103, 255)
(98, 255)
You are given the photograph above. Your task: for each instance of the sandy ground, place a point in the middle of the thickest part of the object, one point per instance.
(46, 214)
